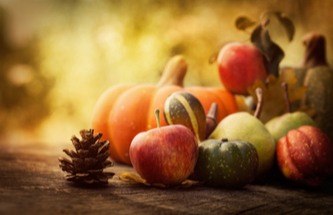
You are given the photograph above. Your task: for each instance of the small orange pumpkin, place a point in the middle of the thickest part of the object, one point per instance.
(123, 111)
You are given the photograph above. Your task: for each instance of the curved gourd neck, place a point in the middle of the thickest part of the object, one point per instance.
(174, 72)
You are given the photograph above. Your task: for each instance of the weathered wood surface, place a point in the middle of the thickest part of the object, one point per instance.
(32, 183)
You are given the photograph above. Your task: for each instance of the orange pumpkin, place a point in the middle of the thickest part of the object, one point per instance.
(123, 111)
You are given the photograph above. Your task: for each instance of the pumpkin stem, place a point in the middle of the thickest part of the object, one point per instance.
(284, 86)
(260, 102)
(315, 50)
(211, 119)
(174, 72)
(157, 117)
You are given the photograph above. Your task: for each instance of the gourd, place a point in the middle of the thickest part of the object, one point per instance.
(123, 111)
(317, 77)
(184, 108)
(226, 163)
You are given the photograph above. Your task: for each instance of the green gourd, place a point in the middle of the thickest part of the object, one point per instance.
(317, 77)
(247, 127)
(229, 164)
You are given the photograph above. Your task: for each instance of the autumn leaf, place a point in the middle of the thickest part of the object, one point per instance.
(242, 23)
(272, 52)
(286, 23)
(134, 178)
(273, 95)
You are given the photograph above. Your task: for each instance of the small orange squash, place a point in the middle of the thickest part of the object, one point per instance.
(123, 111)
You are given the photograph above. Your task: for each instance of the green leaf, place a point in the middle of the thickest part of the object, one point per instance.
(272, 52)
(286, 23)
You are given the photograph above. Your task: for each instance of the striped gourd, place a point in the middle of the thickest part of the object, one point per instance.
(185, 109)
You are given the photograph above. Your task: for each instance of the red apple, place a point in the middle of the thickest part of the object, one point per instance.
(240, 65)
(305, 155)
(165, 155)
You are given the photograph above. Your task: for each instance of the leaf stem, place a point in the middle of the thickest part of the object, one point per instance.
(284, 86)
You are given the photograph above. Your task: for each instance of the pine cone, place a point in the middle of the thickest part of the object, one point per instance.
(87, 162)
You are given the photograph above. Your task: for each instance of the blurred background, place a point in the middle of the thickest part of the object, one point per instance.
(58, 56)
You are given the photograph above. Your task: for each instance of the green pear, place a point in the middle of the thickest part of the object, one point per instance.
(280, 126)
(246, 127)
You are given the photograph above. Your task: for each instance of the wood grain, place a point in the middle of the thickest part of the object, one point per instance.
(32, 183)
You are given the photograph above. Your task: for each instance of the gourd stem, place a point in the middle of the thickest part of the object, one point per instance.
(284, 86)
(211, 119)
(212, 113)
(315, 50)
(174, 72)
(157, 117)
(260, 102)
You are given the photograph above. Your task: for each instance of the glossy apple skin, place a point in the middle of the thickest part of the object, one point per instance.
(305, 155)
(165, 155)
(240, 65)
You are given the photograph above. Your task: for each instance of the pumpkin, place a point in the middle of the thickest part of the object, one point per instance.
(226, 163)
(123, 111)
(317, 77)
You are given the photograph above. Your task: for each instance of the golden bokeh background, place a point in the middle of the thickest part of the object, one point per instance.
(57, 57)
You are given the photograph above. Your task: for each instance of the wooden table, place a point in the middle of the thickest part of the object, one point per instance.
(32, 183)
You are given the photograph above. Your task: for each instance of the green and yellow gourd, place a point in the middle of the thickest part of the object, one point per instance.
(185, 109)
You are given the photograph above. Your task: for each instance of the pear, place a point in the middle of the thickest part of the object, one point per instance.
(246, 127)
(280, 126)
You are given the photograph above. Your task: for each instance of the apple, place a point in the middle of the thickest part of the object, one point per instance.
(240, 65)
(305, 155)
(164, 155)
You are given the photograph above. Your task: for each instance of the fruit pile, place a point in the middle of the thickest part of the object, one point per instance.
(205, 133)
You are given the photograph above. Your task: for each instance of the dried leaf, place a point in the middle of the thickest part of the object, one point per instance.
(134, 178)
(273, 95)
(242, 23)
(189, 183)
(272, 52)
(286, 23)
